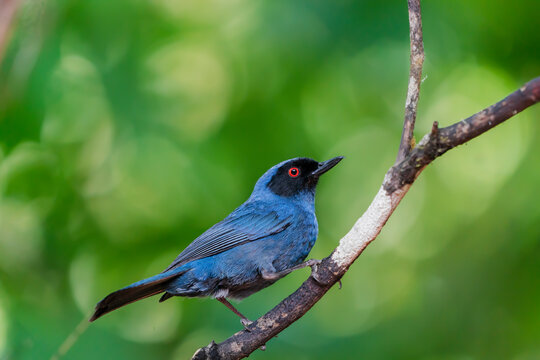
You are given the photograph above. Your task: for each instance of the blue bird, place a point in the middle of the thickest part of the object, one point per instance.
(260, 242)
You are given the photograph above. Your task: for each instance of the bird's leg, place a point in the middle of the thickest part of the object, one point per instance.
(244, 320)
(275, 275)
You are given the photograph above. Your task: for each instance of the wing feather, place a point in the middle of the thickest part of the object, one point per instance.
(248, 223)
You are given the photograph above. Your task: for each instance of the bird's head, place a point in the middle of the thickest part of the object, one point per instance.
(293, 177)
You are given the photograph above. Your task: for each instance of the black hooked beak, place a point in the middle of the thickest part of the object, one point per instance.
(326, 165)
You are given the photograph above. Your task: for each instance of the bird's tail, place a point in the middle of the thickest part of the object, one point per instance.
(134, 292)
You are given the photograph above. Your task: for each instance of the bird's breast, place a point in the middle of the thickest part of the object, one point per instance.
(293, 245)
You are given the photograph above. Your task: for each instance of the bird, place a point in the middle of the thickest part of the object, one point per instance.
(264, 239)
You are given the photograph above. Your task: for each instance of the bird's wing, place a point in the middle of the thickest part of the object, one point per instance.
(249, 222)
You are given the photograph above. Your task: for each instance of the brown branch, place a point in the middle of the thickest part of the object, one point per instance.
(438, 142)
(415, 78)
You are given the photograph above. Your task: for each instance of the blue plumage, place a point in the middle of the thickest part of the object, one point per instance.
(261, 241)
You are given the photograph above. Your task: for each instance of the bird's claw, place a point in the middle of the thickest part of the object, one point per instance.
(314, 264)
(245, 323)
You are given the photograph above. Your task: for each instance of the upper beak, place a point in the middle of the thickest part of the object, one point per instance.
(326, 165)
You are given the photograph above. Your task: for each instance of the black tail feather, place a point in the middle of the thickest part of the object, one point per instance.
(131, 294)
(165, 297)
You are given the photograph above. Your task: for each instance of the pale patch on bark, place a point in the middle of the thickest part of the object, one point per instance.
(366, 229)
(236, 347)
(266, 323)
(413, 86)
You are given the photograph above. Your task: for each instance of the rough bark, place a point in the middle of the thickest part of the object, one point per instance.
(415, 78)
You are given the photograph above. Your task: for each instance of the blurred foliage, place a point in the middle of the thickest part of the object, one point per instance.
(129, 127)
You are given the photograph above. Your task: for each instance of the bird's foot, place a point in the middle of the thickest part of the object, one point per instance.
(245, 323)
(313, 262)
(314, 265)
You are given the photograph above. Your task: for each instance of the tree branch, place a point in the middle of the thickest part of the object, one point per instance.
(440, 141)
(409, 164)
(415, 78)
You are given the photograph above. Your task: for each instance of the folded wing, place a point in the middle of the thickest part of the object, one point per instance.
(250, 222)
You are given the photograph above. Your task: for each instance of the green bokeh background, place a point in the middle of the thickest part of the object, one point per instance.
(127, 128)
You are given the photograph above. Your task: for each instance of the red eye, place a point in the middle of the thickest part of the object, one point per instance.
(294, 172)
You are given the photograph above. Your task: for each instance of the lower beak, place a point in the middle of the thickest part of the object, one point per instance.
(326, 165)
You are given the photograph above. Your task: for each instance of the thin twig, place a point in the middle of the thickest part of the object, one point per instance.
(72, 338)
(436, 144)
(415, 78)
(492, 116)
(8, 8)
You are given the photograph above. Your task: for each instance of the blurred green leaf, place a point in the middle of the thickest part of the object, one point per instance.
(127, 128)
